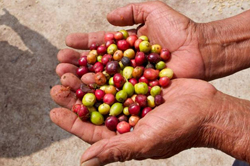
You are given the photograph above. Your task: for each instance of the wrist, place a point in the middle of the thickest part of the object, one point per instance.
(224, 45)
(227, 126)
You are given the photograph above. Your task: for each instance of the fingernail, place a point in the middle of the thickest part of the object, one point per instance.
(92, 162)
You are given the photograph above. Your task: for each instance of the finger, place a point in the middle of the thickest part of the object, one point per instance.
(71, 80)
(63, 68)
(70, 122)
(88, 78)
(119, 148)
(84, 40)
(68, 56)
(63, 96)
(135, 13)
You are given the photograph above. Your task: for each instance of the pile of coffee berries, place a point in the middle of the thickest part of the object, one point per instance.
(129, 76)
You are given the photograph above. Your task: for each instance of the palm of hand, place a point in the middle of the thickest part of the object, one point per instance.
(179, 34)
(169, 119)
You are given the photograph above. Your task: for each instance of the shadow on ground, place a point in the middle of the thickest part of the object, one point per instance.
(26, 79)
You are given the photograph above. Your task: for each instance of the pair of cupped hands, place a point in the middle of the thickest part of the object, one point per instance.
(170, 128)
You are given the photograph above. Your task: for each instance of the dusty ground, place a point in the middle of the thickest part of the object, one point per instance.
(31, 33)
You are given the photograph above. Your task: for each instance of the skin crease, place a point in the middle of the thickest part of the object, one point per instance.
(209, 111)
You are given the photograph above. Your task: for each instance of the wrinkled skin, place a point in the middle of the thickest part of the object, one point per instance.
(168, 129)
(163, 26)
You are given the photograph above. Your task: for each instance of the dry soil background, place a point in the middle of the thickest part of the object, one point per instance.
(31, 34)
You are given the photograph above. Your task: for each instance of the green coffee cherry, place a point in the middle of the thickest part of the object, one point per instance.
(96, 118)
(116, 109)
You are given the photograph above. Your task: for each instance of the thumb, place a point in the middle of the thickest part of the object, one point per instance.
(118, 148)
(135, 13)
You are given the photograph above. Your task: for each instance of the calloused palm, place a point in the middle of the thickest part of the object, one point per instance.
(170, 128)
(161, 24)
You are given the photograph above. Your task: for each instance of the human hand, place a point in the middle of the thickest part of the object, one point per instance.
(170, 128)
(162, 25)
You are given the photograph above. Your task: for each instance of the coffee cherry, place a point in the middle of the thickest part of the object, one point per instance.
(159, 100)
(101, 50)
(99, 94)
(140, 58)
(76, 107)
(116, 109)
(165, 54)
(90, 67)
(111, 123)
(133, 81)
(141, 100)
(137, 72)
(112, 49)
(79, 94)
(133, 120)
(125, 61)
(125, 111)
(118, 55)
(106, 58)
(83, 61)
(145, 111)
(118, 36)
(109, 36)
(128, 88)
(82, 112)
(122, 117)
(151, 101)
(154, 83)
(143, 79)
(164, 81)
(144, 38)
(99, 58)
(122, 45)
(145, 46)
(111, 81)
(156, 48)
(127, 72)
(151, 74)
(154, 58)
(124, 33)
(131, 40)
(98, 67)
(137, 43)
(123, 127)
(130, 53)
(127, 102)
(109, 42)
(81, 71)
(100, 78)
(89, 99)
(167, 72)
(156, 90)
(134, 109)
(133, 63)
(96, 118)
(93, 46)
(110, 90)
(121, 96)
(112, 67)
(91, 58)
(104, 108)
(160, 65)
(109, 99)
(119, 80)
